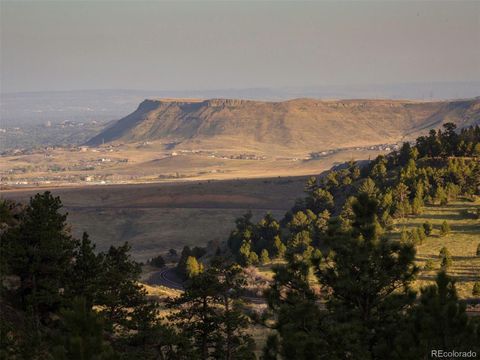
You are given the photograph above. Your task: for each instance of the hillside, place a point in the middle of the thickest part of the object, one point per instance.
(300, 124)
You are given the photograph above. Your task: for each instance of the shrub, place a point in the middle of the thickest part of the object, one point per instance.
(429, 265)
(427, 228)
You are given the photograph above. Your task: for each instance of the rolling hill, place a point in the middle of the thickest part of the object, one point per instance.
(300, 124)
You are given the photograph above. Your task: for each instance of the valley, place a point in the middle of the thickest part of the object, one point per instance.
(156, 217)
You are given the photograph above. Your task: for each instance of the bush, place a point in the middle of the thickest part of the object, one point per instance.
(427, 228)
(429, 265)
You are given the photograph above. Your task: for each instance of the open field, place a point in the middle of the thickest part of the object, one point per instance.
(156, 217)
(156, 162)
(462, 243)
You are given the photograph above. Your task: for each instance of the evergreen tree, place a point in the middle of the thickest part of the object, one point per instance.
(279, 247)
(427, 228)
(476, 289)
(298, 318)
(369, 281)
(40, 253)
(321, 200)
(245, 256)
(208, 316)
(265, 233)
(85, 272)
(119, 288)
(417, 205)
(438, 322)
(253, 258)
(271, 348)
(444, 229)
(244, 230)
(402, 205)
(264, 258)
(446, 259)
(81, 335)
(441, 196)
(368, 187)
(405, 153)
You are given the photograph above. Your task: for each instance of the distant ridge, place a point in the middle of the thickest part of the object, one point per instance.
(292, 124)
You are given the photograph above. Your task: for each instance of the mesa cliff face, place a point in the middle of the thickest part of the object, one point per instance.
(299, 123)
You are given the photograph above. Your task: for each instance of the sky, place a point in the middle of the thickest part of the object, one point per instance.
(72, 45)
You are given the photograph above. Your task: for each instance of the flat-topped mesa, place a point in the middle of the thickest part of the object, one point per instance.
(300, 124)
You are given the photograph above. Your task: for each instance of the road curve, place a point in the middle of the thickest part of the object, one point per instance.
(167, 277)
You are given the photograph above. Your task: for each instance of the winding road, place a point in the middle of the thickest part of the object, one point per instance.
(168, 278)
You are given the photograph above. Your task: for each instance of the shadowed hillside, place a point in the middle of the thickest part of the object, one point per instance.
(300, 124)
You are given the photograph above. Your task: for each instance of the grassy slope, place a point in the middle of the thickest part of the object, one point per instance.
(462, 243)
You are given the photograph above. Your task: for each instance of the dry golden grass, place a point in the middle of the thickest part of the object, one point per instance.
(462, 243)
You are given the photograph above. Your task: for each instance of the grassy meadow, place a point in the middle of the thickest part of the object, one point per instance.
(462, 242)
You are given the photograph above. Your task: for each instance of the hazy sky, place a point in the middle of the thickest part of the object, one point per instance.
(209, 45)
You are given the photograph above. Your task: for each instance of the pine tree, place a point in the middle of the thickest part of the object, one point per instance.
(253, 258)
(368, 187)
(476, 289)
(321, 200)
(244, 230)
(271, 349)
(85, 272)
(81, 335)
(417, 205)
(264, 258)
(402, 205)
(421, 234)
(427, 228)
(207, 314)
(446, 259)
(438, 322)
(441, 196)
(444, 229)
(265, 233)
(119, 288)
(369, 280)
(41, 251)
(298, 318)
(244, 253)
(279, 247)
